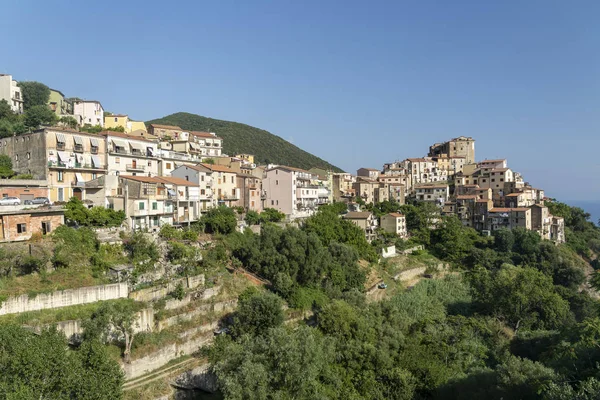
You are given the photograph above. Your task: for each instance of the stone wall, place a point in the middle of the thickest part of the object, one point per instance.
(167, 353)
(64, 298)
(157, 293)
(388, 252)
(221, 307)
(413, 249)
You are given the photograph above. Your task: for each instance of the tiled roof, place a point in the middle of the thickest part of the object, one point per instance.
(176, 181)
(514, 194)
(396, 215)
(139, 178)
(125, 136)
(217, 168)
(206, 135)
(173, 127)
(357, 215)
(466, 197)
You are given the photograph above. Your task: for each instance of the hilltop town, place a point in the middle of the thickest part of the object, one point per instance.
(160, 174)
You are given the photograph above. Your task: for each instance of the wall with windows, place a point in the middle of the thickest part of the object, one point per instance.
(19, 226)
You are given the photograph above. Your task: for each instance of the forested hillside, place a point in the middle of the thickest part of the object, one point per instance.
(241, 138)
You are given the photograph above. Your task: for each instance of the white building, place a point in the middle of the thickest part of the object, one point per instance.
(88, 112)
(129, 155)
(11, 92)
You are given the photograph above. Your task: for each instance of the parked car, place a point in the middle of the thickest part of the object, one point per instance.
(382, 285)
(38, 200)
(10, 201)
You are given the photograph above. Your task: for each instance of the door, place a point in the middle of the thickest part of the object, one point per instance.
(46, 228)
(25, 197)
(134, 164)
(77, 193)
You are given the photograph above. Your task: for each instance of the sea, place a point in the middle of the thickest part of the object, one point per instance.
(590, 206)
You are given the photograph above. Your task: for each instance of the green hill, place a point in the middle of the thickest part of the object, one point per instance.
(241, 138)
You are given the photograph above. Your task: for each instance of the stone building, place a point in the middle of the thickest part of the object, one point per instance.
(461, 146)
(21, 224)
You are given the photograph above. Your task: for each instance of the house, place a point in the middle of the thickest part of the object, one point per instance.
(88, 112)
(433, 192)
(62, 157)
(251, 193)
(145, 200)
(491, 164)
(249, 158)
(394, 223)
(508, 218)
(21, 224)
(365, 221)
(121, 120)
(451, 165)
(461, 146)
(11, 92)
(167, 132)
(371, 173)
(185, 196)
(24, 189)
(291, 191)
(59, 104)
(217, 183)
(208, 143)
(130, 155)
(342, 187)
(423, 170)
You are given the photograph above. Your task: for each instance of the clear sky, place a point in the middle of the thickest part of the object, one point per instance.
(358, 83)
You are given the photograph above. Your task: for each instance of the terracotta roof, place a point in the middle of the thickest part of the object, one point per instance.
(370, 169)
(466, 196)
(396, 215)
(204, 135)
(417, 160)
(291, 169)
(514, 194)
(139, 178)
(357, 215)
(176, 181)
(365, 179)
(173, 127)
(502, 209)
(125, 136)
(217, 168)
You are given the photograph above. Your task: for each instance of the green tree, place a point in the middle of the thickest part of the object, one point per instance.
(219, 220)
(39, 115)
(252, 218)
(257, 313)
(69, 122)
(6, 112)
(271, 215)
(34, 94)
(76, 211)
(6, 166)
(73, 247)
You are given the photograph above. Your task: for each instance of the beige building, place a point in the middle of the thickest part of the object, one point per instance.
(185, 196)
(342, 187)
(437, 193)
(394, 223)
(291, 191)
(461, 146)
(218, 184)
(509, 218)
(88, 112)
(365, 221)
(370, 173)
(130, 155)
(166, 132)
(251, 193)
(11, 92)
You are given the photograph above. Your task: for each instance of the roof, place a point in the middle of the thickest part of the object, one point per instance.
(291, 169)
(357, 215)
(503, 209)
(370, 169)
(466, 196)
(115, 115)
(57, 91)
(204, 135)
(217, 168)
(417, 159)
(396, 215)
(176, 181)
(432, 186)
(514, 194)
(173, 127)
(125, 136)
(500, 169)
(139, 178)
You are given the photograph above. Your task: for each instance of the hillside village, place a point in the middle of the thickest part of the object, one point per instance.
(165, 175)
(153, 241)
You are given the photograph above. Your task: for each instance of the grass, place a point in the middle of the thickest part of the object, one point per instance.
(49, 316)
(150, 391)
(61, 279)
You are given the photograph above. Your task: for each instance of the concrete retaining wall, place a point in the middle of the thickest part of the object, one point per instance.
(388, 252)
(161, 357)
(64, 298)
(413, 249)
(222, 307)
(410, 274)
(157, 293)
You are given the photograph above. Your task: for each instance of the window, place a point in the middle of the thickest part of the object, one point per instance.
(89, 120)
(61, 194)
(277, 202)
(94, 175)
(232, 179)
(277, 182)
(155, 206)
(141, 205)
(187, 178)
(117, 160)
(201, 178)
(21, 228)
(61, 176)
(168, 165)
(272, 202)
(28, 156)
(149, 163)
(16, 157)
(116, 119)
(202, 191)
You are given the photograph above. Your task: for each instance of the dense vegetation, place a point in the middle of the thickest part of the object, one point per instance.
(240, 138)
(513, 323)
(78, 213)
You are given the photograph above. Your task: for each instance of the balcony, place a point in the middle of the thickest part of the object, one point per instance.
(60, 164)
(78, 184)
(119, 150)
(78, 148)
(135, 167)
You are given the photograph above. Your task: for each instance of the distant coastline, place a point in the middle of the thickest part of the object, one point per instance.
(590, 206)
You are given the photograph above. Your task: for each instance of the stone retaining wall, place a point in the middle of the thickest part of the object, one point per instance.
(64, 298)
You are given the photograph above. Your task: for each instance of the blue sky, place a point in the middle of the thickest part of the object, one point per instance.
(357, 83)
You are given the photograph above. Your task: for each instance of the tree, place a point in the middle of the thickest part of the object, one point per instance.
(34, 94)
(271, 215)
(76, 211)
(69, 122)
(39, 115)
(42, 367)
(6, 113)
(257, 313)
(252, 218)
(6, 167)
(219, 220)
(117, 316)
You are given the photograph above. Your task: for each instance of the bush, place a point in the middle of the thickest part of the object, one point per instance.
(74, 247)
(169, 232)
(271, 215)
(252, 218)
(77, 212)
(141, 249)
(219, 220)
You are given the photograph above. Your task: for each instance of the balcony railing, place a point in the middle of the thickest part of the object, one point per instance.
(60, 164)
(78, 184)
(119, 150)
(135, 167)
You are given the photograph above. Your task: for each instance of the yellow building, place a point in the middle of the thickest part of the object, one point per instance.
(246, 157)
(116, 120)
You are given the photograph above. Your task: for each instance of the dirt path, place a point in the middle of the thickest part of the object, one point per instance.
(162, 373)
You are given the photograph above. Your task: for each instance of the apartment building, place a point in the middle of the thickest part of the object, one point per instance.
(185, 196)
(461, 146)
(166, 132)
(131, 155)
(11, 92)
(251, 193)
(508, 218)
(59, 104)
(370, 173)
(342, 187)
(217, 183)
(66, 159)
(367, 189)
(365, 221)
(290, 191)
(200, 144)
(145, 201)
(451, 165)
(435, 193)
(88, 112)
(423, 170)
(394, 223)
